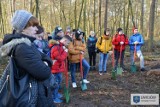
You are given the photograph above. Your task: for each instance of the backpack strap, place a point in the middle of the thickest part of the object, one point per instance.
(100, 40)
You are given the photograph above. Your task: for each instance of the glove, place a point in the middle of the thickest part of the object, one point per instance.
(121, 43)
(65, 49)
(136, 42)
(110, 52)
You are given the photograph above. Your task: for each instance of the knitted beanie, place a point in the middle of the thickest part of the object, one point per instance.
(20, 19)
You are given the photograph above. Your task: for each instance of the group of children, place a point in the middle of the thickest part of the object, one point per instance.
(70, 46)
(62, 47)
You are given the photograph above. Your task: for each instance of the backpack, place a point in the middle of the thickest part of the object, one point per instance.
(49, 51)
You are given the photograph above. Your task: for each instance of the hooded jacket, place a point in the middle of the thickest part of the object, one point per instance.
(116, 41)
(29, 60)
(26, 55)
(58, 55)
(74, 50)
(105, 45)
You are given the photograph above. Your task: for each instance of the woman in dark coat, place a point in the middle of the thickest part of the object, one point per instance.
(28, 59)
(91, 45)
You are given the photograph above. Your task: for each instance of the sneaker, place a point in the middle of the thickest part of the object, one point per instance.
(100, 73)
(86, 81)
(57, 100)
(143, 69)
(59, 95)
(74, 85)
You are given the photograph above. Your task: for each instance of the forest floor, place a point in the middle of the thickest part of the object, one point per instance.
(105, 92)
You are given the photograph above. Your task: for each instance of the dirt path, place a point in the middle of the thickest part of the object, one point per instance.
(105, 92)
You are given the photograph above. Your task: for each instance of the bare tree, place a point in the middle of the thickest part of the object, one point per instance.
(142, 16)
(100, 5)
(106, 15)
(37, 8)
(80, 14)
(151, 25)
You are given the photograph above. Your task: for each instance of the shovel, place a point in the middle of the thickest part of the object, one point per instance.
(83, 85)
(133, 66)
(66, 88)
(113, 70)
(119, 69)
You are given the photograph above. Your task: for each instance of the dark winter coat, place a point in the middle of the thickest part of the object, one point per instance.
(91, 44)
(29, 60)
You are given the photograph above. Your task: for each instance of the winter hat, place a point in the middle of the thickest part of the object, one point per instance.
(78, 33)
(68, 28)
(119, 29)
(57, 29)
(20, 19)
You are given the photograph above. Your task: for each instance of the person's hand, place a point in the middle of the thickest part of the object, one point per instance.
(82, 52)
(136, 42)
(110, 52)
(65, 49)
(121, 43)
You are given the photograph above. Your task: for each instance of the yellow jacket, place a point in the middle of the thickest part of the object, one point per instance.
(106, 44)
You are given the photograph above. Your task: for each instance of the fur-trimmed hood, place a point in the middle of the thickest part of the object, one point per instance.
(11, 41)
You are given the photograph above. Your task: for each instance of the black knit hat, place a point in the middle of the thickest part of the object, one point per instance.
(78, 33)
(58, 29)
(119, 29)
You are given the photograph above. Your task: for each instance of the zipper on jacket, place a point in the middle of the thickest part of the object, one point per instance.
(30, 88)
(4, 83)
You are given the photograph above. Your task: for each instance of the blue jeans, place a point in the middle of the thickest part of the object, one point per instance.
(103, 62)
(58, 77)
(86, 68)
(140, 55)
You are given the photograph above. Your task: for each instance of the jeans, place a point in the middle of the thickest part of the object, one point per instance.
(117, 56)
(103, 62)
(86, 68)
(140, 55)
(58, 77)
(92, 58)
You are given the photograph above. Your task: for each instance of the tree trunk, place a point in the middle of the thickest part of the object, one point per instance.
(31, 6)
(94, 16)
(75, 14)
(133, 22)
(37, 8)
(142, 16)
(106, 15)
(84, 19)
(127, 23)
(100, 5)
(79, 21)
(124, 21)
(151, 25)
